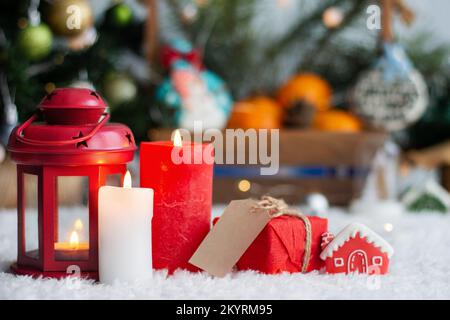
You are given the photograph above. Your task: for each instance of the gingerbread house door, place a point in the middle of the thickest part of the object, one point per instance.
(357, 262)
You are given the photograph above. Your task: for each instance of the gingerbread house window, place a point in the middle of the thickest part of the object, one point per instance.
(377, 260)
(338, 262)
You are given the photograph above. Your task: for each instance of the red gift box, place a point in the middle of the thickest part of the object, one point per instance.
(280, 247)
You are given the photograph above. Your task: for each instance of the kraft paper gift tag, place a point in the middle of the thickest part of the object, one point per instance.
(235, 231)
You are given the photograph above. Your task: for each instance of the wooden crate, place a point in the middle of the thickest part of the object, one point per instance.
(335, 164)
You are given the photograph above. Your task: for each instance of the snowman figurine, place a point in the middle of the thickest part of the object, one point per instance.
(192, 93)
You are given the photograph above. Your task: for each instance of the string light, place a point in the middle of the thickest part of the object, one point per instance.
(244, 185)
(22, 23)
(190, 12)
(283, 3)
(332, 17)
(202, 3)
(388, 227)
(49, 87)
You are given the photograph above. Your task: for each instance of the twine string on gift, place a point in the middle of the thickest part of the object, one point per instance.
(276, 208)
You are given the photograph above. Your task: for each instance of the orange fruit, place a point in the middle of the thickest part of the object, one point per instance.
(308, 87)
(337, 120)
(258, 112)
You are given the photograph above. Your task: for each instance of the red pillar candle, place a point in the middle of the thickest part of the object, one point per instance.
(182, 199)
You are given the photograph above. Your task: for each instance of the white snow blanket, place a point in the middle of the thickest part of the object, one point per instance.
(420, 269)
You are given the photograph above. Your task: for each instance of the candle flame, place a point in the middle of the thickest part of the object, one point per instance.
(74, 240)
(78, 225)
(127, 180)
(177, 142)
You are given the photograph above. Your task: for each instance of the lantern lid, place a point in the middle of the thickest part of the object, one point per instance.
(72, 106)
(68, 138)
(113, 143)
(76, 98)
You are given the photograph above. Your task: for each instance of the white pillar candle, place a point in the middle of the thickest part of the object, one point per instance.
(125, 249)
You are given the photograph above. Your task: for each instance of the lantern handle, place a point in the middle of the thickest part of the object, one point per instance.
(21, 138)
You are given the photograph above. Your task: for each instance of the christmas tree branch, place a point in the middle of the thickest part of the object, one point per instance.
(322, 43)
(177, 11)
(302, 27)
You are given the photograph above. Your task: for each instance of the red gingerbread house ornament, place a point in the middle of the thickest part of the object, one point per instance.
(357, 249)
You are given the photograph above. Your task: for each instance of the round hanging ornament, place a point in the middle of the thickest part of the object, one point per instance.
(69, 17)
(35, 41)
(393, 94)
(119, 89)
(120, 15)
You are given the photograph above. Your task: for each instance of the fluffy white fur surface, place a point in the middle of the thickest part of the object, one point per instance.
(420, 269)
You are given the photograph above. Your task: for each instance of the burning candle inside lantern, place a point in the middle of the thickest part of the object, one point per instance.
(74, 240)
(74, 249)
(125, 215)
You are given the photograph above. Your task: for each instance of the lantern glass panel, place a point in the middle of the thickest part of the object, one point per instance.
(30, 182)
(114, 180)
(72, 227)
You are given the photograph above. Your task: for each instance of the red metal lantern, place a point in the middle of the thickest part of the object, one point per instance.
(74, 141)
